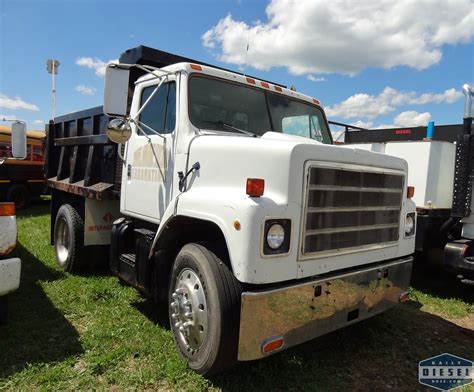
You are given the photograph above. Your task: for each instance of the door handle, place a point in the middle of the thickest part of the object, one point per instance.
(129, 171)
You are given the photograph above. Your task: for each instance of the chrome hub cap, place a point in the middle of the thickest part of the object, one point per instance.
(189, 310)
(62, 241)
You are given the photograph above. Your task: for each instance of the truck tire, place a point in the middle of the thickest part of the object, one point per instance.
(19, 194)
(69, 239)
(3, 309)
(204, 310)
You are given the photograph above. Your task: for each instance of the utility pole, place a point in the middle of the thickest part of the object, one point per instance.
(52, 67)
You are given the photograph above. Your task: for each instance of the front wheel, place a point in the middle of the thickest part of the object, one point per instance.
(204, 310)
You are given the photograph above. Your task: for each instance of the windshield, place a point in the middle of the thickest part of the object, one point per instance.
(220, 105)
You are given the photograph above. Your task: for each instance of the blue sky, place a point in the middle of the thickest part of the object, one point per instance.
(378, 64)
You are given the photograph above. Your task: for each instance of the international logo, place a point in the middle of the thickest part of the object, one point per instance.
(445, 372)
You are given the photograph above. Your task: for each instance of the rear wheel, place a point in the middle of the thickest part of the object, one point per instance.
(204, 310)
(19, 194)
(69, 239)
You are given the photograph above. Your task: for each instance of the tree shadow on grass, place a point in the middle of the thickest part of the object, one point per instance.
(36, 331)
(378, 354)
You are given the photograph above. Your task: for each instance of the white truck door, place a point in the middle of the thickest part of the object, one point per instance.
(148, 173)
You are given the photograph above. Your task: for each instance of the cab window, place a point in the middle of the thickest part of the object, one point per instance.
(160, 112)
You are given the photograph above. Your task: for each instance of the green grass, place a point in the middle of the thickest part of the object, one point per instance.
(90, 331)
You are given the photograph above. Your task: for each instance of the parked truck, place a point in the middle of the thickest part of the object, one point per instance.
(441, 162)
(222, 196)
(10, 267)
(22, 180)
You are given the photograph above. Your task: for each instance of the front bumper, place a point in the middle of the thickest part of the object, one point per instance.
(304, 311)
(10, 270)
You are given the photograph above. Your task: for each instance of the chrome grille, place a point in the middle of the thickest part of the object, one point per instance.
(347, 209)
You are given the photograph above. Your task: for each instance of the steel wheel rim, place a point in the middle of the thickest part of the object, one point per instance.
(188, 306)
(62, 241)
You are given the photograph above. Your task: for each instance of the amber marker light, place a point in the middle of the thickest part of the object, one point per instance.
(237, 225)
(196, 67)
(271, 345)
(7, 209)
(410, 191)
(404, 297)
(255, 187)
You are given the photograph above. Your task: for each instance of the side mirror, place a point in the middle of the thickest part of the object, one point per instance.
(19, 140)
(116, 90)
(119, 130)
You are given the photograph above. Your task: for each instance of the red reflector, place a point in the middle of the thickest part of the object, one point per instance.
(255, 187)
(196, 67)
(404, 297)
(410, 191)
(272, 345)
(250, 80)
(7, 209)
(266, 85)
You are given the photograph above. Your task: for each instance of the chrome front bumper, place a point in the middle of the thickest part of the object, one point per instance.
(302, 312)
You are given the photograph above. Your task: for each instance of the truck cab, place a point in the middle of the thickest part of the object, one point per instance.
(237, 211)
(10, 267)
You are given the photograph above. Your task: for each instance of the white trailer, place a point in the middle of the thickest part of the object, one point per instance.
(441, 162)
(232, 206)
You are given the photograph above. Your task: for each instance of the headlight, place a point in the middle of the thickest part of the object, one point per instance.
(410, 224)
(275, 236)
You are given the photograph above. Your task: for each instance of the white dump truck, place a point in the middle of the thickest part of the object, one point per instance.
(10, 267)
(226, 200)
(441, 166)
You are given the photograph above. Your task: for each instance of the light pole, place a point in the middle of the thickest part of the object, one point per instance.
(52, 67)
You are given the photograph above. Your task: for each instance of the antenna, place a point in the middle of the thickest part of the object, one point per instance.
(247, 52)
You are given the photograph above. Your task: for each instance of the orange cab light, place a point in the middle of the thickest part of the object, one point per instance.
(410, 191)
(279, 89)
(7, 209)
(316, 101)
(255, 187)
(272, 345)
(250, 80)
(196, 67)
(264, 84)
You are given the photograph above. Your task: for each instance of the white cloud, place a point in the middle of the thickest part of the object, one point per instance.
(371, 106)
(412, 118)
(16, 103)
(96, 64)
(7, 117)
(85, 90)
(319, 36)
(316, 79)
(38, 122)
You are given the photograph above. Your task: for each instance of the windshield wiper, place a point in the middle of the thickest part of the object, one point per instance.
(228, 126)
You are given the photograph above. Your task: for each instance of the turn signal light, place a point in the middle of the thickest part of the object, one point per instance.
(255, 187)
(7, 209)
(272, 345)
(410, 191)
